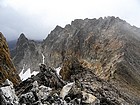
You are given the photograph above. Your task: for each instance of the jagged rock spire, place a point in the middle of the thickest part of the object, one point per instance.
(22, 39)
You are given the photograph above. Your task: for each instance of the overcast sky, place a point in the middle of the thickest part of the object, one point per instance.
(36, 18)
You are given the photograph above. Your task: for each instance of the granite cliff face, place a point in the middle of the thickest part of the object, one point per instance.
(7, 69)
(108, 48)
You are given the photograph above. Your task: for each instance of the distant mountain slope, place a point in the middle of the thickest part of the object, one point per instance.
(109, 47)
(12, 44)
(7, 69)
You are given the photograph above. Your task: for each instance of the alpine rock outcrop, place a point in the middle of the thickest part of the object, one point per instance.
(104, 51)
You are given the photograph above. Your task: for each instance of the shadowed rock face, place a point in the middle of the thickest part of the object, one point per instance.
(7, 69)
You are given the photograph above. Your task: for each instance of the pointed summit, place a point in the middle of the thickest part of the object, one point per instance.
(57, 29)
(22, 35)
(26, 48)
(22, 39)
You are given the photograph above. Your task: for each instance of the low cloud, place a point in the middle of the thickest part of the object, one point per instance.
(36, 18)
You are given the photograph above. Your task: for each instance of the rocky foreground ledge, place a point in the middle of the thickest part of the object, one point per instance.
(47, 88)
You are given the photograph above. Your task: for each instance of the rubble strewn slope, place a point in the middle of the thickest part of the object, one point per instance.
(48, 88)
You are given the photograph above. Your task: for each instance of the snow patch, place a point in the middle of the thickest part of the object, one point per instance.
(34, 73)
(25, 75)
(58, 70)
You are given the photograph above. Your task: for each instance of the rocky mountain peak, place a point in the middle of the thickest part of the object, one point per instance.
(54, 33)
(25, 51)
(21, 40)
(107, 47)
(81, 23)
(22, 36)
(7, 69)
(57, 29)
